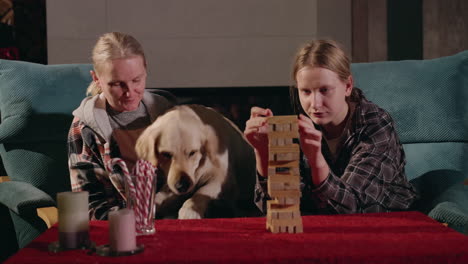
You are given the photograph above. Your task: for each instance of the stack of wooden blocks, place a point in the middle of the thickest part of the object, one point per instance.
(283, 211)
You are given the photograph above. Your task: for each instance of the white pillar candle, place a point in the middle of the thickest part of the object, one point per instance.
(122, 236)
(73, 219)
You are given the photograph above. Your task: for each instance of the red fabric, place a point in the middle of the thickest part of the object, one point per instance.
(403, 237)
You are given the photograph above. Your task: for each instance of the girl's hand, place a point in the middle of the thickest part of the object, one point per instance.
(310, 138)
(256, 128)
(311, 145)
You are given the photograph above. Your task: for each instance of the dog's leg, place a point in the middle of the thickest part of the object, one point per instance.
(168, 203)
(196, 206)
(212, 181)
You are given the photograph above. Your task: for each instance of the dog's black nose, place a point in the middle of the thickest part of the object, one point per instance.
(184, 184)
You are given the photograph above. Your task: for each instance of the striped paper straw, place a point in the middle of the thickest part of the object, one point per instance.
(127, 177)
(145, 173)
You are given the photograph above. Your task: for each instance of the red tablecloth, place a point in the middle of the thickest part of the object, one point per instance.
(403, 237)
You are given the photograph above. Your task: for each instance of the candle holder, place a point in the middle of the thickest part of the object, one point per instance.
(106, 251)
(55, 246)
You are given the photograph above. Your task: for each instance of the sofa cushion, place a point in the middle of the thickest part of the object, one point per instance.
(22, 198)
(36, 104)
(33, 89)
(450, 207)
(427, 98)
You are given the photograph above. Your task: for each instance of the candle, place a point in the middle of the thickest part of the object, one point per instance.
(73, 219)
(122, 235)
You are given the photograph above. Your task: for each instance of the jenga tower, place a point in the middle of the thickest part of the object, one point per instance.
(283, 211)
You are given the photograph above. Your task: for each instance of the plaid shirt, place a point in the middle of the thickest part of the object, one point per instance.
(89, 150)
(88, 153)
(367, 175)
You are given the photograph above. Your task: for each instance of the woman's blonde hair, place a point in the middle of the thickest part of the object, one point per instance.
(324, 54)
(111, 46)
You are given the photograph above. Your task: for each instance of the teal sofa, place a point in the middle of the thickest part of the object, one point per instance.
(36, 102)
(426, 98)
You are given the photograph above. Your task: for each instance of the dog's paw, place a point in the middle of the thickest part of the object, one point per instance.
(188, 213)
(190, 210)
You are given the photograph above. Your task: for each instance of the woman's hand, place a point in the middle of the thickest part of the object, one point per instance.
(256, 129)
(311, 145)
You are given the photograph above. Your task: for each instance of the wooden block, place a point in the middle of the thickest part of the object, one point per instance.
(274, 229)
(285, 164)
(272, 141)
(294, 127)
(275, 186)
(288, 200)
(271, 171)
(274, 206)
(287, 156)
(283, 134)
(282, 119)
(271, 156)
(283, 213)
(274, 215)
(4, 179)
(295, 171)
(291, 186)
(48, 214)
(294, 148)
(285, 193)
(283, 171)
(286, 215)
(281, 156)
(292, 200)
(286, 222)
(282, 127)
(280, 142)
(299, 229)
(291, 179)
(295, 214)
(281, 186)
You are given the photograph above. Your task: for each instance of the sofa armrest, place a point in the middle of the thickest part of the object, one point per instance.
(450, 207)
(23, 198)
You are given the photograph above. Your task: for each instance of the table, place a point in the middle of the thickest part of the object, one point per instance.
(400, 237)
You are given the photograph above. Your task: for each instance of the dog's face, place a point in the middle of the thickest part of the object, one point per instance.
(178, 144)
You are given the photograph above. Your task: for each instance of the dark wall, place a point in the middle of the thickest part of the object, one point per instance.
(235, 102)
(30, 30)
(404, 29)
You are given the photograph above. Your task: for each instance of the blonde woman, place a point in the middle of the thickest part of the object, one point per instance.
(108, 121)
(352, 160)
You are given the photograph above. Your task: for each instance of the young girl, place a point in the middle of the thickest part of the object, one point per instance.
(352, 160)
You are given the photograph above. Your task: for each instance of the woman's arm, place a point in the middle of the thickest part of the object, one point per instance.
(374, 179)
(87, 171)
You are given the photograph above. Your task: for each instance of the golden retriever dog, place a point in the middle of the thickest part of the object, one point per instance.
(207, 166)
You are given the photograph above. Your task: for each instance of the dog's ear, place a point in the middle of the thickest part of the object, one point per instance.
(146, 145)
